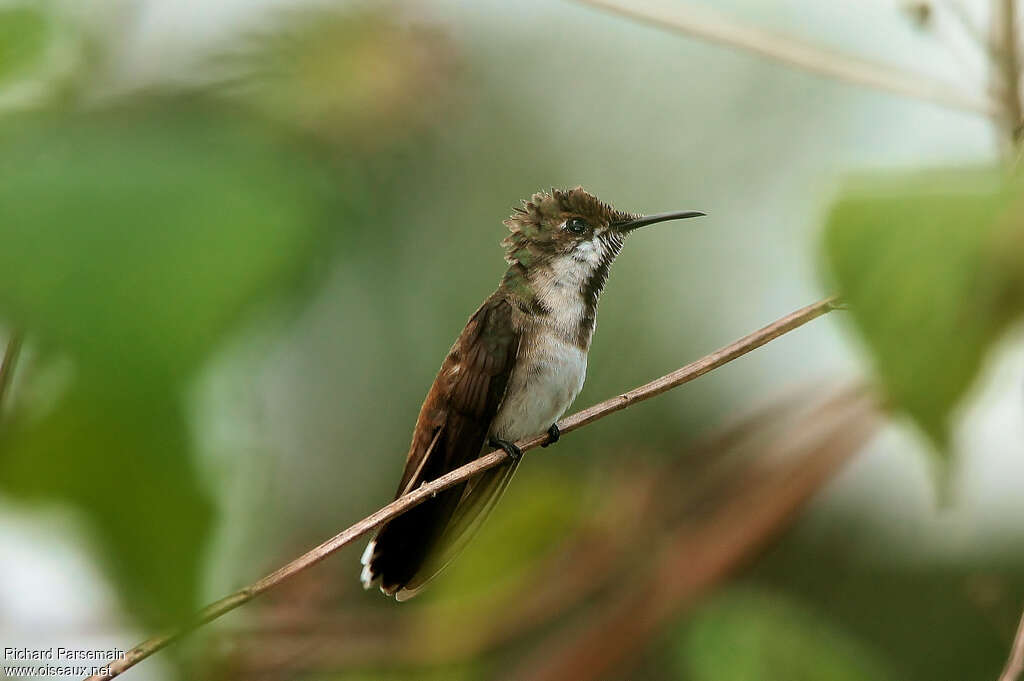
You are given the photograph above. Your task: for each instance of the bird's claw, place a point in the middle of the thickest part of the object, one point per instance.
(514, 453)
(553, 434)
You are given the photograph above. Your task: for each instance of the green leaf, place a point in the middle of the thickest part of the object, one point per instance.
(24, 32)
(134, 239)
(930, 266)
(748, 636)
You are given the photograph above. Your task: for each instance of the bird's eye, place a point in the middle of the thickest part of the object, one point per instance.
(576, 225)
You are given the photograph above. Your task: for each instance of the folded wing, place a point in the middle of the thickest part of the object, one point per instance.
(451, 431)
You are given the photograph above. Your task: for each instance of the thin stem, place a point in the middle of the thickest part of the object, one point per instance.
(1015, 663)
(495, 458)
(7, 365)
(803, 55)
(1010, 61)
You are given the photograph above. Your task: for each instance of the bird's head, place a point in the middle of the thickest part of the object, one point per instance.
(570, 237)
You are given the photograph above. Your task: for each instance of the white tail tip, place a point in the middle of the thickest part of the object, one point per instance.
(366, 576)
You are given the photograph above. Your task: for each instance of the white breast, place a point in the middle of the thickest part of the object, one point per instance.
(547, 378)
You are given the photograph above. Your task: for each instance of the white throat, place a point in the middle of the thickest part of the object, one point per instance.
(561, 287)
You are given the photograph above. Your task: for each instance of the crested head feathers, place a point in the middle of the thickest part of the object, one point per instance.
(541, 215)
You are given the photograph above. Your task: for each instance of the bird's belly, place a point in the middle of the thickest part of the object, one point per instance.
(545, 381)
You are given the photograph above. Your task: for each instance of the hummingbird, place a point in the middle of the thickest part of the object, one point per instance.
(513, 371)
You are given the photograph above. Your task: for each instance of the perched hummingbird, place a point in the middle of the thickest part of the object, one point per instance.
(513, 371)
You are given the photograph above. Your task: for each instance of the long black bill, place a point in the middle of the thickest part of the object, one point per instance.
(645, 220)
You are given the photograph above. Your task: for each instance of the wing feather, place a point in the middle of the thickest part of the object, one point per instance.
(451, 431)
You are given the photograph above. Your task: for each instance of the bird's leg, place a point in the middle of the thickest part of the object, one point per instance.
(553, 434)
(514, 453)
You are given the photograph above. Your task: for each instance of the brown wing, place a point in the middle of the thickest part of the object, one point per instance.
(451, 430)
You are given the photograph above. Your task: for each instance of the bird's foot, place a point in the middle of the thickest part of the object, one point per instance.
(514, 453)
(553, 434)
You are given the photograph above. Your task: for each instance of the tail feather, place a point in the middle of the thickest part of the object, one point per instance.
(404, 545)
(367, 577)
(410, 550)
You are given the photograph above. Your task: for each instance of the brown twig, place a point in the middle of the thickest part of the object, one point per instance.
(7, 365)
(803, 55)
(1015, 663)
(598, 411)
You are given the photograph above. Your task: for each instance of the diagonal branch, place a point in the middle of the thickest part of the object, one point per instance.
(800, 54)
(686, 374)
(1015, 664)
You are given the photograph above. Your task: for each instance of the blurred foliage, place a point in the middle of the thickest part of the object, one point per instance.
(341, 75)
(123, 460)
(948, 620)
(447, 673)
(133, 240)
(24, 32)
(932, 269)
(759, 636)
(536, 518)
